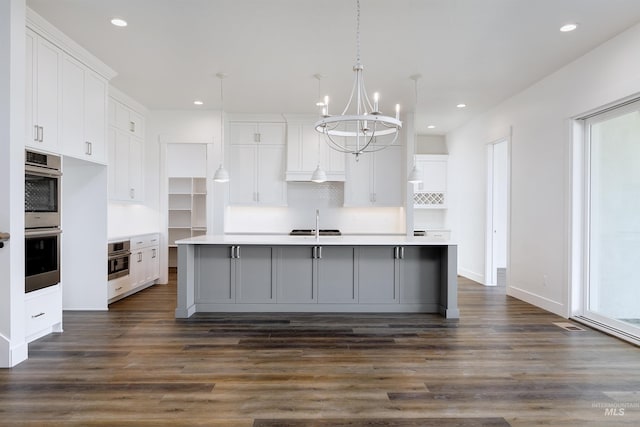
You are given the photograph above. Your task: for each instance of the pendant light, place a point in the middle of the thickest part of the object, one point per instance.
(319, 174)
(415, 176)
(221, 175)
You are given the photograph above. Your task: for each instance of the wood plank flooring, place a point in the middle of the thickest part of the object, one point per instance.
(503, 363)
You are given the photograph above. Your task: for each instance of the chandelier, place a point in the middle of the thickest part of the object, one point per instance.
(361, 128)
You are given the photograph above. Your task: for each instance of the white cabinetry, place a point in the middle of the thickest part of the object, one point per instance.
(84, 112)
(257, 156)
(306, 149)
(144, 265)
(43, 312)
(431, 193)
(126, 144)
(43, 93)
(375, 179)
(127, 119)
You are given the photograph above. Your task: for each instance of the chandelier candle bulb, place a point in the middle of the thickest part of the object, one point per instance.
(397, 111)
(376, 97)
(326, 105)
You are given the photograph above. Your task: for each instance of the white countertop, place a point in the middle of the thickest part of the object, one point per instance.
(347, 240)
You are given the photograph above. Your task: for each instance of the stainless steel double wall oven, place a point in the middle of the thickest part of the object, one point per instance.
(42, 220)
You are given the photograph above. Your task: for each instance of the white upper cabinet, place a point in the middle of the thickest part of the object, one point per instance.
(256, 164)
(306, 148)
(376, 179)
(66, 94)
(431, 193)
(84, 112)
(43, 93)
(126, 147)
(126, 119)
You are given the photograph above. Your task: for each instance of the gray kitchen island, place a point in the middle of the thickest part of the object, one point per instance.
(259, 273)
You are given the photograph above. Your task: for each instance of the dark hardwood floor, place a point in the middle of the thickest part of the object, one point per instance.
(503, 363)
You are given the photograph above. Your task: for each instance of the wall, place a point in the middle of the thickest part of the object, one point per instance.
(540, 123)
(431, 144)
(13, 348)
(303, 200)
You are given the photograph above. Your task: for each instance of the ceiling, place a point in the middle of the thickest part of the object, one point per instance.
(477, 52)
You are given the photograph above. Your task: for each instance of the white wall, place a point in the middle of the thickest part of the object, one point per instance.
(300, 213)
(13, 348)
(540, 169)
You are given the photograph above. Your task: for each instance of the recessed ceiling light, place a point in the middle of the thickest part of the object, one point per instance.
(431, 127)
(568, 27)
(198, 102)
(461, 105)
(119, 22)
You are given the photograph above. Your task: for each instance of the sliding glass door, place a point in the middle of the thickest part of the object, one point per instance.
(612, 297)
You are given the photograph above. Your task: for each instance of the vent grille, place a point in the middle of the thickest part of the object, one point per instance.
(36, 158)
(569, 326)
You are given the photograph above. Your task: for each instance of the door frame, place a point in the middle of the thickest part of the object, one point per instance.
(489, 271)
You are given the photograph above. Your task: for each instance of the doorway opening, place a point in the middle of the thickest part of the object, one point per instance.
(497, 213)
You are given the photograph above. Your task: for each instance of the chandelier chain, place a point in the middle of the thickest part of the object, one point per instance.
(358, 33)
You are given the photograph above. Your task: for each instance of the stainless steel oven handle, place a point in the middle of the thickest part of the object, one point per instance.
(119, 254)
(35, 170)
(42, 232)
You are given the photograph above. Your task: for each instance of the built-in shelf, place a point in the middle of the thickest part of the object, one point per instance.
(187, 215)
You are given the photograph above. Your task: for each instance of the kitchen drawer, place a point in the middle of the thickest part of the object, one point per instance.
(444, 235)
(118, 286)
(43, 310)
(144, 241)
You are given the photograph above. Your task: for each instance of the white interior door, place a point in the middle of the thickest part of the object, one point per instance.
(497, 210)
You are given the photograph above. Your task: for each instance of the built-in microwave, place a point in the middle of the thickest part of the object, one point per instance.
(42, 190)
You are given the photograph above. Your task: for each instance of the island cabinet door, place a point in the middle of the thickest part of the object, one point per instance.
(336, 274)
(214, 274)
(378, 274)
(420, 274)
(295, 271)
(255, 275)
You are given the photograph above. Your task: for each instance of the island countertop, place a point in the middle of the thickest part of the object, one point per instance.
(286, 240)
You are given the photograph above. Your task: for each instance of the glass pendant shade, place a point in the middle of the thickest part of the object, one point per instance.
(221, 175)
(415, 176)
(319, 175)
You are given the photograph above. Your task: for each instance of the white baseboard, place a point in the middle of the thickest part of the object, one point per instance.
(537, 300)
(471, 275)
(11, 356)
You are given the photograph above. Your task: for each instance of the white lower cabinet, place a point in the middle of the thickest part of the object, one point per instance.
(43, 312)
(144, 267)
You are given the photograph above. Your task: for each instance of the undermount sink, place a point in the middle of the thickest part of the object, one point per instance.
(309, 232)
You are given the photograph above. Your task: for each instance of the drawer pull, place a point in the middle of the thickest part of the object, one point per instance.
(37, 315)
(117, 289)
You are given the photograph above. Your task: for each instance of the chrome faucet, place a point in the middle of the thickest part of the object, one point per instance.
(317, 225)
